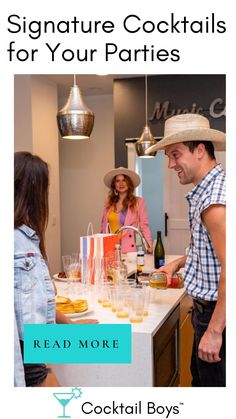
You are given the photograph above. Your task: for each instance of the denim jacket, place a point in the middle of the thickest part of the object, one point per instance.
(19, 375)
(34, 295)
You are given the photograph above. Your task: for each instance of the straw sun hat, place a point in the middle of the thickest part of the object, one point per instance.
(121, 171)
(189, 127)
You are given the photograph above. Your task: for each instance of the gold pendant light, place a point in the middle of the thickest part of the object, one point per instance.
(146, 140)
(75, 120)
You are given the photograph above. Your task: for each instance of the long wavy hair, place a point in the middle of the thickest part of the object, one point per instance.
(130, 200)
(31, 182)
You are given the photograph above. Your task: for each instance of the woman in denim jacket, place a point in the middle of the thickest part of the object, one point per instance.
(34, 294)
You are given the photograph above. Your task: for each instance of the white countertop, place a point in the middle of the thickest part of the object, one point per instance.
(140, 371)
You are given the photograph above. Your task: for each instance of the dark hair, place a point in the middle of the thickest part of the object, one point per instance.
(31, 180)
(129, 201)
(208, 146)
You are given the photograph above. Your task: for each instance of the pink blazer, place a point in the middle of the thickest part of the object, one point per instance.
(137, 218)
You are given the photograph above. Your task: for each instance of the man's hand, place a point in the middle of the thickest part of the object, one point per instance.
(170, 268)
(214, 219)
(209, 346)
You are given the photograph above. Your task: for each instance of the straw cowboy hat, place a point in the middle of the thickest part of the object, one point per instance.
(121, 171)
(189, 127)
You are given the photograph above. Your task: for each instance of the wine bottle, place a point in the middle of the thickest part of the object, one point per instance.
(159, 252)
(140, 257)
(117, 253)
(120, 269)
(140, 264)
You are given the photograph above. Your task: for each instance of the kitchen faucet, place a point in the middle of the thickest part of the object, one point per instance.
(144, 241)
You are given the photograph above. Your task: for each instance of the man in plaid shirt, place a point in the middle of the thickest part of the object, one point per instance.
(189, 144)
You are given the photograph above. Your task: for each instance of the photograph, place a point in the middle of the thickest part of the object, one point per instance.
(105, 233)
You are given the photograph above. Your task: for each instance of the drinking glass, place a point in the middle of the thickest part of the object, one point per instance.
(100, 270)
(136, 304)
(71, 266)
(87, 270)
(103, 296)
(146, 297)
(75, 266)
(112, 296)
(122, 301)
(66, 261)
(120, 272)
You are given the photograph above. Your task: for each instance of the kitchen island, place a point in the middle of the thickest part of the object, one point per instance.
(155, 347)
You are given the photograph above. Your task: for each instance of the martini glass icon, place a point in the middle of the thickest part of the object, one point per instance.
(64, 399)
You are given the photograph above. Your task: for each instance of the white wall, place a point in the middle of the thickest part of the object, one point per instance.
(79, 195)
(45, 144)
(82, 167)
(22, 113)
(36, 131)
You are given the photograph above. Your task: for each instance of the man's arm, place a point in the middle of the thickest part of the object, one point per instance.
(170, 268)
(214, 219)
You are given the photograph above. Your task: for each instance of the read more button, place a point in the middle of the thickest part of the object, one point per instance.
(77, 343)
(82, 343)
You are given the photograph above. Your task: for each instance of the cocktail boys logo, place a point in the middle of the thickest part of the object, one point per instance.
(115, 407)
(64, 399)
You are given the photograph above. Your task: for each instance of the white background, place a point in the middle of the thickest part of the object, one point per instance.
(203, 54)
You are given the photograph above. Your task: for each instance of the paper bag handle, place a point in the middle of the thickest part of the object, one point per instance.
(90, 229)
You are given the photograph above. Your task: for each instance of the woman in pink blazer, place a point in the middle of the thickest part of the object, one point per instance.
(123, 208)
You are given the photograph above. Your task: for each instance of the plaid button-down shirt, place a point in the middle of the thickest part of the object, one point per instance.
(202, 268)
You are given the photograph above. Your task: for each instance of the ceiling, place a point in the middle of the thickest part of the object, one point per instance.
(90, 84)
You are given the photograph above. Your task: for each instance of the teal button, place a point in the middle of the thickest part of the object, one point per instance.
(77, 343)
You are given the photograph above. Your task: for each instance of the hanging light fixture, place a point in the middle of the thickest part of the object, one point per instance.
(75, 120)
(146, 140)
